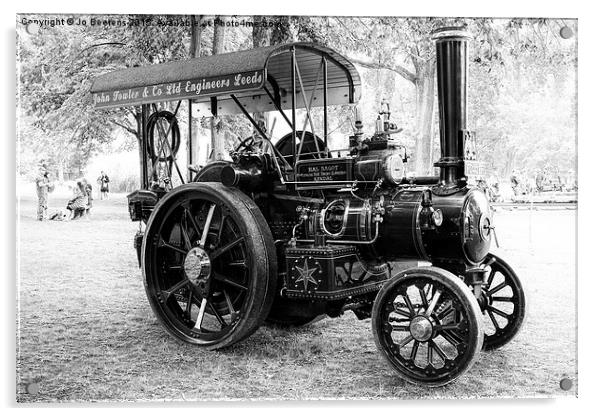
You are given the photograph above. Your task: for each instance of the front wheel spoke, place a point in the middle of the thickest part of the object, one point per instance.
(429, 353)
(405, 341)
(221, 278)
(433, 303)
(446, 327)
(395, 327)
(414, 350)
(217, 315)
(498, 312)
(201, 315)
(423, 298)
(443, 314)
(493, 320)
(497, 288)
(408, 302)
(438, 350)
(221, 250)
(503, 299)
(400, 311)
(451, 338)
(490, 277)
(491, 261)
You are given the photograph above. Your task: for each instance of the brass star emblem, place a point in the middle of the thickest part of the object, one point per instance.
(306, 275)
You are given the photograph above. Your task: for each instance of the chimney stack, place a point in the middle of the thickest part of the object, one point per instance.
(451, 44)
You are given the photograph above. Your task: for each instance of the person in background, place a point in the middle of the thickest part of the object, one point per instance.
(43, 186)
(77, 205)
(88, 190)
(103, 181)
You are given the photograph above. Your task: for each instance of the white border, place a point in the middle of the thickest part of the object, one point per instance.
(589, 216)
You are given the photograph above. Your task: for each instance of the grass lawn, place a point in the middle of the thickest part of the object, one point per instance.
(85, 331)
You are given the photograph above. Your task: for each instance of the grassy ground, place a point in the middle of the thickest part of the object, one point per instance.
(86, 331)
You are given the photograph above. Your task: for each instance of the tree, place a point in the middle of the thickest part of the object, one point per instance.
(54, 95)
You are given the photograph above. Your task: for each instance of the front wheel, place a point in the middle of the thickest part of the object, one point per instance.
(502, 302)
(427, 324)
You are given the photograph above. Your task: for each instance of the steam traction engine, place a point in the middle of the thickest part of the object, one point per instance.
(287, 232)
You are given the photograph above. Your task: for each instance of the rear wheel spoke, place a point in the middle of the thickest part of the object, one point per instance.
(207, 225)
(241, 263)
(221, 278)
(220, 231)
(163, 243)
(221, 250)
(201, 315)
(189, 305)
(185, 237)
(169, 292)
(193, 222)
(217, 315)
(229, 303)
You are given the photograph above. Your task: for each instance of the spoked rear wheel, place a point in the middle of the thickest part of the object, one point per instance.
(502, 302)
(209, 264)
(428, 325)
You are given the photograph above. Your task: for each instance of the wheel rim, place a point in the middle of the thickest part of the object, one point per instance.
(198, 271)
(502, 302)
(425, 331)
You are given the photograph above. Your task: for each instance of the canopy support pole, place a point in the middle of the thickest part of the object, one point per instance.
(325, 91)
(191, 145)
(294, 93)
(143, 135)
(308, 114)
(277, 105)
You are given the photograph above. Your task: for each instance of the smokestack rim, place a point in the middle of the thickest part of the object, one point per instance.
(450, 33)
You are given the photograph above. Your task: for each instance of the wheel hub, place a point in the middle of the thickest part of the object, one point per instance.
(197, 266)
(421, 328)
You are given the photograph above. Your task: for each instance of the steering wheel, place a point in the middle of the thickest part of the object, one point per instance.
(246, 144)
(288, 146)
